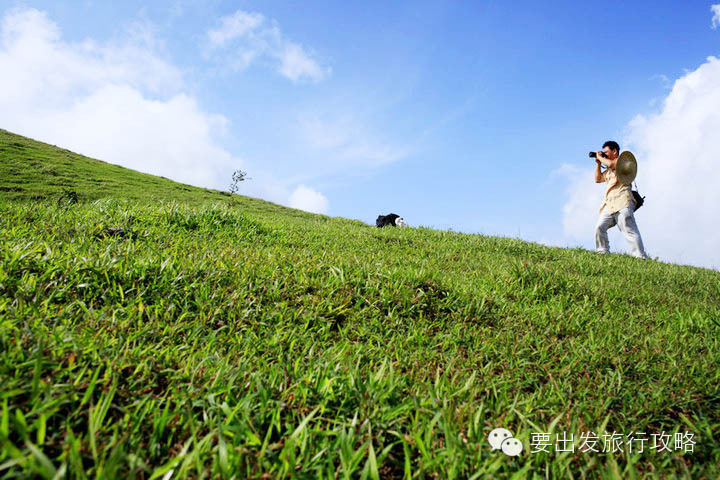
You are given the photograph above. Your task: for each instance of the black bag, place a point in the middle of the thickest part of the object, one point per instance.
(638, 199)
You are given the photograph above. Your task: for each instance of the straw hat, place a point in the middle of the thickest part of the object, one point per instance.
(626, 167)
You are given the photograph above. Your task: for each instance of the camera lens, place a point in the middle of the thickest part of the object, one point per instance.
(593, 154)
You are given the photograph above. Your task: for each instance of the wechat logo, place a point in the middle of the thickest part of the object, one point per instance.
(502, 439)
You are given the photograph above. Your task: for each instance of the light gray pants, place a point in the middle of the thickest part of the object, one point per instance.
(625, 220)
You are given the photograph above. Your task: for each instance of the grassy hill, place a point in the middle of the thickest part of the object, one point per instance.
(157, 330)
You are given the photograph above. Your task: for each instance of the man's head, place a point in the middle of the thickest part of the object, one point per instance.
(611, 149)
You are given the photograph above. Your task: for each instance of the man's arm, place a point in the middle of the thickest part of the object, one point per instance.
(606, 161)
(598, 173)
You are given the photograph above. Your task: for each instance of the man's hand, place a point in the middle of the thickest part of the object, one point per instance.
(598, 172)
(605, 160)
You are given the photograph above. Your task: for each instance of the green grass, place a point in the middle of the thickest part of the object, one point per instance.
(225, 336)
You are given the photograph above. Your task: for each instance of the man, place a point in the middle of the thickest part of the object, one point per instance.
(618, 205)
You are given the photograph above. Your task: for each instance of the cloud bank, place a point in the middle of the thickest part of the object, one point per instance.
(305, 198)
(677, 151)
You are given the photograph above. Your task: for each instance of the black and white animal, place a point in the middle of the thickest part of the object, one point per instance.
(390, 219)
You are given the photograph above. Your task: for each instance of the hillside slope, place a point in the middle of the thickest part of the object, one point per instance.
(32, 170)
(210, 335)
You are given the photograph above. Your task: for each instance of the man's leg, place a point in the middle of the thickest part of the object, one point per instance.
(605, 221)
(627, 225)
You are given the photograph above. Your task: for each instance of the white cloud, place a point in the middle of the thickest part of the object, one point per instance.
(677, 171)
(236, 25)
(295, 63)
(39, 67)
(305, 198)
(119, 102)
(715, 9)
(251, 36)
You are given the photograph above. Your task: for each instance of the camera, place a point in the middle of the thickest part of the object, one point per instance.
(594, 154)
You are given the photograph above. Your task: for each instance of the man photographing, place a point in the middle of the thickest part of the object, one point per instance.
(618, 206)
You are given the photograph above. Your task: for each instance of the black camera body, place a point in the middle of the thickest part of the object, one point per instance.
(594, 154)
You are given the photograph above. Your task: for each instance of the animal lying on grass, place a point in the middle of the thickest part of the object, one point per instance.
(391, 219)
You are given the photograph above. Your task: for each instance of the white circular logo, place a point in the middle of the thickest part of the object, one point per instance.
(497, 437)
(502, 439)
(512, 447)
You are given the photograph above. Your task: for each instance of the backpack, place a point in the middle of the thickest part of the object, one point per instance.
(639, 201)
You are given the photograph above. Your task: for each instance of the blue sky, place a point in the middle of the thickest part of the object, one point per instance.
(475, 116)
